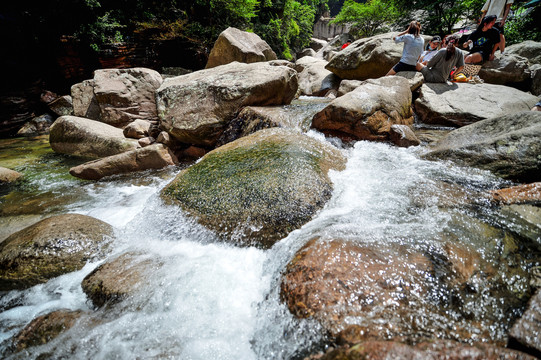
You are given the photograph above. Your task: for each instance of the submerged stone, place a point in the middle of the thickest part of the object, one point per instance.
(257, 189)
(51, 247)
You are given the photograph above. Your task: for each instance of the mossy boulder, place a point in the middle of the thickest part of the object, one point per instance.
(257, 189)
(51, 247)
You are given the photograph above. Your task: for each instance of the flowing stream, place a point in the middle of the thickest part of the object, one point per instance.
(212, 300)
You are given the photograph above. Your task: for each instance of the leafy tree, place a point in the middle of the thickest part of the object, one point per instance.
(368, 18)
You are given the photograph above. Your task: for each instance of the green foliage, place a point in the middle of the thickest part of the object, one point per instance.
(524, 25)
(368, 18)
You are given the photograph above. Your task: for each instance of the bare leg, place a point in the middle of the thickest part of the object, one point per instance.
(502, 43)
(391, 72)
(473, 58)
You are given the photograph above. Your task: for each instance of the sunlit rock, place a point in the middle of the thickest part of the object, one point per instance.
(367, 58)
(45, 328)
(306, 52)
(507, 145)
(415, 78)
(78, 136)
(119, 278)
(314, 79)
(124, 95)
(507, 69)
(137, 129)
(51, 247)
(156, 156)
(8, 175)
(369, 111)
(526, 332)
(84, 100)
(430, 350)
(257, 189)
(195, 108)
(462, 104)
(524, 219)
(529, 49)
(237, 45)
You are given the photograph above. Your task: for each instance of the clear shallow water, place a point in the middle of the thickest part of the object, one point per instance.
(211, 300)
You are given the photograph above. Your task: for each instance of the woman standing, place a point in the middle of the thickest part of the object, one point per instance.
(413, 47)
(439, 67)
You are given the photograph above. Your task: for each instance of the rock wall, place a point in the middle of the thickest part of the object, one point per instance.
(324, 30)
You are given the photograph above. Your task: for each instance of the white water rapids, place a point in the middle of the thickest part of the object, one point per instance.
(212, 300)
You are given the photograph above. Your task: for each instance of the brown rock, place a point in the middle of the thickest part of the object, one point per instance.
(84, 100)
(403, 136)
(146, 141)
(520, 194)
(8, 175)
(155, 156)
(527, 330)
(368, 112)
(237, 45)
(119, 278)
(62, 105)
(45, 328)
(137, 129)
(124, 95)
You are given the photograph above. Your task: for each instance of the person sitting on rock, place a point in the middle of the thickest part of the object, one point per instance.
(439, 67)
(483, 42)
(413, 47)
(431, 50)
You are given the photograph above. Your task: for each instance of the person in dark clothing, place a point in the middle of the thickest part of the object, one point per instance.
(483, 42)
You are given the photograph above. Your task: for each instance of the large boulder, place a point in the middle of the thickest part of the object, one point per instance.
(156, 156)
(462, 104)
(506, 145)
(358, 291)
(119, 278)
(529, 49)
(315, 80)
(257, 189)
(367, 58)
(8, 175)
(237, 45)
(51, 247)
(83, 137)
(369, 111)
(195, 108)
(84, 100)
(255, 118)
(536, 79)
(507, 69)
(428, 350)
(124, 95)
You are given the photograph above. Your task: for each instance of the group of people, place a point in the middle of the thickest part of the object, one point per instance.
(440, 58)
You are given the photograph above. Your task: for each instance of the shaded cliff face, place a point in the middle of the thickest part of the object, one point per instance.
(31, 69)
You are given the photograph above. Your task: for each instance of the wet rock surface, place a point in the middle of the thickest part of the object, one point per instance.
(51, 247)
(119, 278)
(8, 176)
(526, 332)
(44, 328)
(257, 189)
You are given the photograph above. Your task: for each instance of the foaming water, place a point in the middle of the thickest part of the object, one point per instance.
(210, 300)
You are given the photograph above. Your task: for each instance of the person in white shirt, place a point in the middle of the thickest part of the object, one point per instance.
(500, 9)
(431, 50)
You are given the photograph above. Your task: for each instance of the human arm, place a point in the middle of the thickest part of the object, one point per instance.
(491, 57)
(436, 58)
(506, 13)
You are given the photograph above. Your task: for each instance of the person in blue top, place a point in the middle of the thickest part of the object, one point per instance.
(413, 47)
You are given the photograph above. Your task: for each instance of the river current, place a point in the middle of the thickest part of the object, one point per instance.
(213, 300)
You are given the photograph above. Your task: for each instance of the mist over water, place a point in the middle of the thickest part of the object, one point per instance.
(212, 300)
